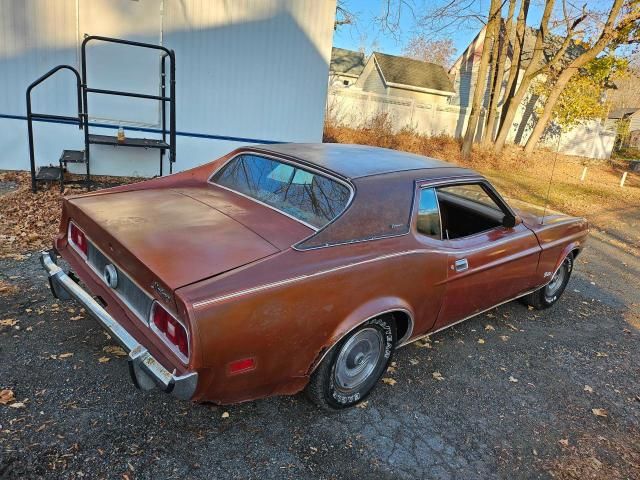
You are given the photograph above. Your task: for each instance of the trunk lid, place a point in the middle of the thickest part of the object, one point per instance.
(163, 235)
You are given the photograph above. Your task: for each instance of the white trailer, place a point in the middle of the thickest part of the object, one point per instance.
(246, 72)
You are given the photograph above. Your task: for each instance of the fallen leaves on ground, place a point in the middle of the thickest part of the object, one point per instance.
(7, 289)
(18, 405)
(424, 343)
(104, 359)
(600, 412)
(504, 338)
(413, 361)
(29, 221)
(587, 388)
(437, 376)
(363, 405)
(481, 341)
(489, 327)
(564, 442)
(513, 379)
(225, 415)
(389, 381)
(65, 355)
(6, 396)
(115, 350)
(8, 322)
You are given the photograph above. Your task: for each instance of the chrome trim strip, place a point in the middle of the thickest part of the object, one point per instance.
(419, 184)
(467, 318)
(315, 229)
(409, 332)
(162, 336)
(147, 322)
(72, 243)
(299, 164)
(486, 310)
(146, 371)
(266, 286)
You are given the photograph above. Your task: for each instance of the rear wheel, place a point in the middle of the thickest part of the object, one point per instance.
(353, 367)
(552, 291)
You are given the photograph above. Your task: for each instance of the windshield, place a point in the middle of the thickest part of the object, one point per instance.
(308, 197)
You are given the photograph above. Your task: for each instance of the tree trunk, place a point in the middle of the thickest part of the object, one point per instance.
(516, 59)
(496, 93)
(481, 80)
(606, 36)
(530, 73)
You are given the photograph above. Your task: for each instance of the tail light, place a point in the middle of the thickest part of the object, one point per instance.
(78, 239)
(169, 329)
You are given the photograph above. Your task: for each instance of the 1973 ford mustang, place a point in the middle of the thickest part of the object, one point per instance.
(293, 266)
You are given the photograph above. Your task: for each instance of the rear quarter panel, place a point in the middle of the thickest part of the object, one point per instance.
(288, 310)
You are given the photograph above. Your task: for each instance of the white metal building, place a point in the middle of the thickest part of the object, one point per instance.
(251, 71)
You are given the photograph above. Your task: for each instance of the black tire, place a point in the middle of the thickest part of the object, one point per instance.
(551, 293)
(324, 388)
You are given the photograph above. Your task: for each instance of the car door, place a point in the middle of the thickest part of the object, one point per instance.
(486, 267)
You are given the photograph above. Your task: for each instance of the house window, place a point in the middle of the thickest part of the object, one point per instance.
(345, 82)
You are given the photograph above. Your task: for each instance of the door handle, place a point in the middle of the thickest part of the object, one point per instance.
(461, 265)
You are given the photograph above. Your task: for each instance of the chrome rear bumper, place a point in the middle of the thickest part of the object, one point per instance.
(147, 373)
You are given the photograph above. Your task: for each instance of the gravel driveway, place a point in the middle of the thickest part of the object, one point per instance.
(514, 398)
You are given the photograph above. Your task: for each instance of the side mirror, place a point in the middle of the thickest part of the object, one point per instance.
(510, 221)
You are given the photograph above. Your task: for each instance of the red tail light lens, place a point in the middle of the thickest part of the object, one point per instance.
(170, 329)
(78, 238)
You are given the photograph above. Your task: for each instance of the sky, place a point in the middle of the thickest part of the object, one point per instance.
(367, 33)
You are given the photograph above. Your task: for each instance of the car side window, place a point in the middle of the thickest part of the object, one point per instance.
(466, 210)
(428, 215)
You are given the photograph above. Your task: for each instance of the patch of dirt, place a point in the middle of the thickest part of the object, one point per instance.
(29, 221)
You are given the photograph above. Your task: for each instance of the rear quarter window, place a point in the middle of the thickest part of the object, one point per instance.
(307, 196)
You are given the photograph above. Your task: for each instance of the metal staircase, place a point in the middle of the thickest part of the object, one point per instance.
(167, 143)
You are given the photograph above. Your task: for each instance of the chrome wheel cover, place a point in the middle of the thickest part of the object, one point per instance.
(358, 359)
(554, 286)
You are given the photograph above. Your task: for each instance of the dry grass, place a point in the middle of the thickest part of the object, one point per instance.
(599, 198)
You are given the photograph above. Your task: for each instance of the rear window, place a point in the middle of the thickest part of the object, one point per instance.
(306, 196)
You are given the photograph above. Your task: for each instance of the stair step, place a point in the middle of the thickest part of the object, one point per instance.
(128, 142)
(48, 174)
(72, 156)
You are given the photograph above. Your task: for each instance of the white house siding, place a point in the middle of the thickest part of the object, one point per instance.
(634, 121)
(246, 71)
(421, 97)
(370, 79)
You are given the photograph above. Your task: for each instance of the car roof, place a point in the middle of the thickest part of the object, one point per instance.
(357, 161)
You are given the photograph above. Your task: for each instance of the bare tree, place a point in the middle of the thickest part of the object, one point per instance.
(516, 58)
(500, 61)
(616, 30)
(537, 66)
(481, 84)
(434, 51)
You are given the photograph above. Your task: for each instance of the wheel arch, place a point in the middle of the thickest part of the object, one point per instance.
(397, 309)
(573, 248)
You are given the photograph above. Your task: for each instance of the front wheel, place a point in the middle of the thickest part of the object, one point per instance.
(353, 367)
(551, 292)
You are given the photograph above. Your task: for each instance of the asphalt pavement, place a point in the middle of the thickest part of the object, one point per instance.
(508, 394)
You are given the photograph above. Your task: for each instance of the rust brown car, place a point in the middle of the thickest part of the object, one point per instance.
(281, 268)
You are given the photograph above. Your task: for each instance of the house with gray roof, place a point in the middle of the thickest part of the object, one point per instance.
(464, 73)
(345, 67)
(424, 82)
